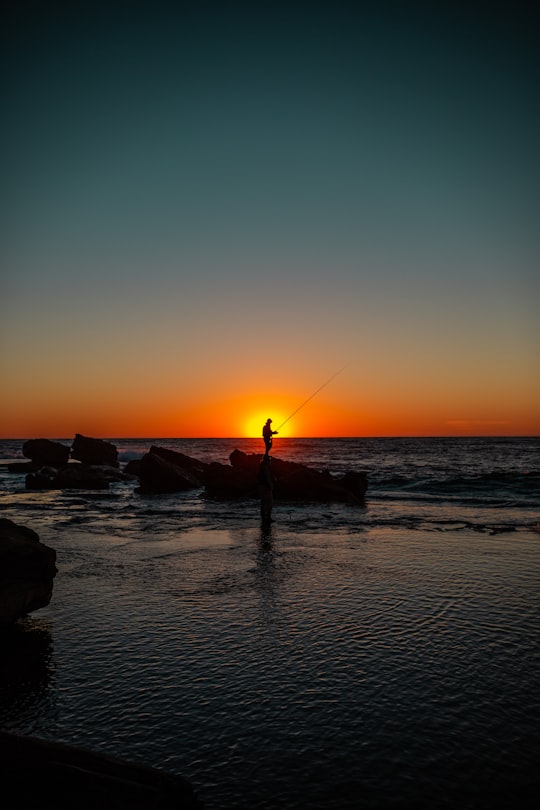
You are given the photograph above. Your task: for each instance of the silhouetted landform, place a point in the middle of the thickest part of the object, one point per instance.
(94, 451)
(292, 481)
(162, 470)
(27, 571)
(40, 773)
(50, 466)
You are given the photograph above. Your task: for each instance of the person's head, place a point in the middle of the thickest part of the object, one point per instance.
(268, 421)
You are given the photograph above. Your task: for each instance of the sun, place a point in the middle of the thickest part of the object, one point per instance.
(254, 423)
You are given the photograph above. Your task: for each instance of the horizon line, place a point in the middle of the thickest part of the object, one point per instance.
(284, 438)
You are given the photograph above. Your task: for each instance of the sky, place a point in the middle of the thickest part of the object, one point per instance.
(211, 210)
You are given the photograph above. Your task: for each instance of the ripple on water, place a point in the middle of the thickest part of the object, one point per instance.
(294, 668)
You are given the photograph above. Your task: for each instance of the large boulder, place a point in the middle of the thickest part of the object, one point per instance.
(157, 475)
(27, 571)
(187, 463)
(94, 451)
(43, 453)
(46, 452)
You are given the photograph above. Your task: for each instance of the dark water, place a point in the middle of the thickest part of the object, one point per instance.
(351, 657)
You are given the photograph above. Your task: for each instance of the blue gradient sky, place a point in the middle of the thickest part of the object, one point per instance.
(209, 209)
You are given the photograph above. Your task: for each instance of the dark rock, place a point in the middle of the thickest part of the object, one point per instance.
(245, 461)
(88, 476)
(356, 482)
(224, 481)
(292, 481)
(27, 571)
(133, 467)
(44, 478)
(23, 466)
(45, 452)
(94, 451)
(187, 463)
(41, 773)
(160, 476)
(76, 476)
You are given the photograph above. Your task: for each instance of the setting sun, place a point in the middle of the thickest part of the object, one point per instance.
(254, 424)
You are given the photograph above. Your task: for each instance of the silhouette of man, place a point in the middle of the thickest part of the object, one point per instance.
(265, 480)
(267, 433)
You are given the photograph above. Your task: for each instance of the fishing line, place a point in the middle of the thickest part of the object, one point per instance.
(320, 388)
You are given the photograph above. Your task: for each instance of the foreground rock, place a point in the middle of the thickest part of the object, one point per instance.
(39, 773)
(27, 571)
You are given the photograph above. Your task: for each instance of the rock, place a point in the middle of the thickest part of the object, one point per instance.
(224, 481)
(88, 476)
(187, 463)
(76, 476)
(27, 571)
(292, 481)
(44, 452)
(23, 466)
(94, 451)
(355, 482)
(133, 467)
(160, 476)
(44, 478)
(41, 773)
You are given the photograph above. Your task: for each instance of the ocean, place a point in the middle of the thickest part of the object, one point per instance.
(348, 656)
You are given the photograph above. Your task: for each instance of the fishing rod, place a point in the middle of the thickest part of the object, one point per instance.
(320, 388)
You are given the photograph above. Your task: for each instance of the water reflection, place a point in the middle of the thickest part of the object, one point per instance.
(26, 672)
(266, 574)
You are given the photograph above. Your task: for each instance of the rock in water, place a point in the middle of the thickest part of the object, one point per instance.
(161, 476)
(94, 451)
(27, 571)
(46, 453)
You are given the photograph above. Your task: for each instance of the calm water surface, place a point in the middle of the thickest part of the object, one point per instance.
(378, 656)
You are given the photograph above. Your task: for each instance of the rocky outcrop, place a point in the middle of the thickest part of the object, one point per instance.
(292, 481)
(225, 481)
(162, 472)
(41, 773)
(27, 571)
(94, 451)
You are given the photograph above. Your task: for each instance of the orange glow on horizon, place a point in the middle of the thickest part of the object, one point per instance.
(155, 413)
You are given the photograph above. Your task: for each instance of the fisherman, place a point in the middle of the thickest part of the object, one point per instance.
(267, 433)
(265, 480)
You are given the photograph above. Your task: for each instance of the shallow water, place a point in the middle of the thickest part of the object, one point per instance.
(333, 661)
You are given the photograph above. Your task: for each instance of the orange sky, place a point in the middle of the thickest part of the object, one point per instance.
(347, 406)
(196, 240)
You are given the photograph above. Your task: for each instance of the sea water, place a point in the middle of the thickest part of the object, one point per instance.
(376, 655)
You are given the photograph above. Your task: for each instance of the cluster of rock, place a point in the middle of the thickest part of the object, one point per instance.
(27, 571)
(51, 464)
(162, 470)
